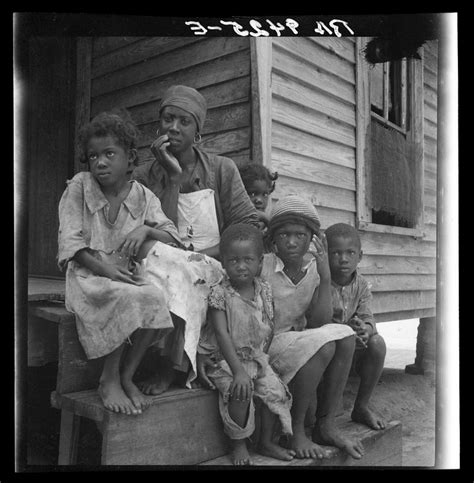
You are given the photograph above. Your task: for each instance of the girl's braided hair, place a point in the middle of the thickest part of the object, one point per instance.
(257, 172)
(117, 123)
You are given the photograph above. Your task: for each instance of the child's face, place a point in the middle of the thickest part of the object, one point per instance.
(344, 256)
(242, 262)
(109, 162)
(292, 241)
(259, 191)
(180, 127)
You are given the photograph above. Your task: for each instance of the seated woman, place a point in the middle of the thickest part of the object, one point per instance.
(202, 194)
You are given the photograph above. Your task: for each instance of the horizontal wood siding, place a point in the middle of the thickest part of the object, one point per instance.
(430, 89)
(134, 72)
(314, 152)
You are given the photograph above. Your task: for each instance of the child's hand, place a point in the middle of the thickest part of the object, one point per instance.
(119, 274)
(134, 240)
(164, 157)
(321, 255)
(361, 330)
(241, 387)
(203, 362)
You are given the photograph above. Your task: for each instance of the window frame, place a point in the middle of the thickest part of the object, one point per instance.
(364, 114)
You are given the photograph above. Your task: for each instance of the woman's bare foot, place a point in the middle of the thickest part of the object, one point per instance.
(365, 415)
(240, 454)
(276, 451)
(303, 447)
(326, 432)
(158, 383)
(115, 399)
(139, 400)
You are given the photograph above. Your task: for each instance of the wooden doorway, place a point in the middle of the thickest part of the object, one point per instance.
(50, 144)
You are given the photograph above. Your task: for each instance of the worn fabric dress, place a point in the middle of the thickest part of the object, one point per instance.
(185, 279)
(293, 345)
(107, 311)
(250, 325)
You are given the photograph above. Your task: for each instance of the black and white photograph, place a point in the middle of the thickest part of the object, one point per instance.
(236, 242)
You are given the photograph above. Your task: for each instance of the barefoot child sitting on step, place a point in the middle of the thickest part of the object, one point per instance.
(306, 351)
(104, 220)
(241, 313)
(351, 300)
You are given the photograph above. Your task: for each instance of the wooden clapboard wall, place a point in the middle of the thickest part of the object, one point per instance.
(313, 147)
(134, 72)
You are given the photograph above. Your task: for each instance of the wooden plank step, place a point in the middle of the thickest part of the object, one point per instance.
(382, 448)
(45, 289)
(181, 427)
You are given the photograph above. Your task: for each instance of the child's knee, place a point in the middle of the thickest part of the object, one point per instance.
(347, 344)
(327, 351)
(376, 345)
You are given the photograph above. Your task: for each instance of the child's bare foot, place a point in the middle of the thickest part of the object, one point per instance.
(140, 401)
(240, 454)
(276, 451)
(303, 447)
(326, 432)
(115, 399)
(365, 415)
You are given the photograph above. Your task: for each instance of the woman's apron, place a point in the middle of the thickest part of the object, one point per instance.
(186, 277)
(197, 219)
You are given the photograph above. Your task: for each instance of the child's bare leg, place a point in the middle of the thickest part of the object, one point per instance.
(267, 446)
(371, 367)
(141, 341)
(304, 388)
(110, 388)
(325, 430)
(239, 412)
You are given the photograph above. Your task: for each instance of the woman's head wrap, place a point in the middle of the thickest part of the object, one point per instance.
(293, 209)
(188, 99)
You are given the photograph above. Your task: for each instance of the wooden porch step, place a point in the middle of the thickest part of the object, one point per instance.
(181, 427)
(382, 448)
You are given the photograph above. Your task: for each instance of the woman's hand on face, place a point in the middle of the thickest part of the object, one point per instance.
(321, 255)
(164, 157)
(134, 240)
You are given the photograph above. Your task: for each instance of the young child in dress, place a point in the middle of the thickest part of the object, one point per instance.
(351, 301)
(104, 220)
(259, 183)
(241, 313)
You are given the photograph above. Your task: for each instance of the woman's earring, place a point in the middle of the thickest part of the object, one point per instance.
(197, 138)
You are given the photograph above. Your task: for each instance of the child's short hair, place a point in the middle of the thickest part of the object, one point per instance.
(257, 172)
(117, 123)
(342, 230)
(241, 232)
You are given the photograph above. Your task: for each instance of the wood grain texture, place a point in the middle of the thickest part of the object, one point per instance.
(288, 138)
(168, 62)
(285, 62)
(318, 56)
(198, 76)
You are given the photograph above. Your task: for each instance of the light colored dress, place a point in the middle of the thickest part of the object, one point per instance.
(107, 311)
(185, 279)
(250, 325)
(293, 345)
